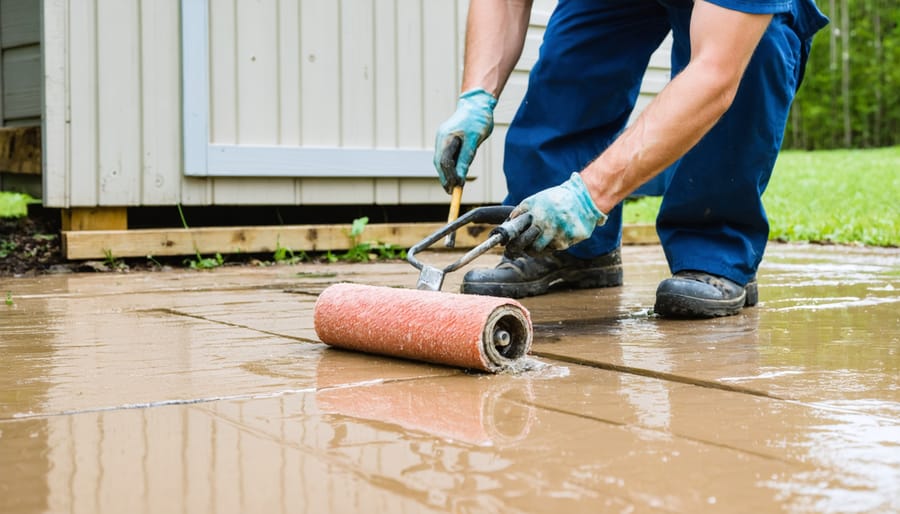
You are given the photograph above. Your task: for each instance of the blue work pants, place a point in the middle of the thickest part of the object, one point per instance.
(581, 92)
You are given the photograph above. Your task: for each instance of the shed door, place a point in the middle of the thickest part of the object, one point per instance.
(317, 88)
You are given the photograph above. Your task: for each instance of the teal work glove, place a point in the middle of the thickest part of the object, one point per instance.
(560, 217)
(459, 136)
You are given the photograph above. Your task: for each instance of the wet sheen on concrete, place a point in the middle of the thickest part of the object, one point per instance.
(208, 392)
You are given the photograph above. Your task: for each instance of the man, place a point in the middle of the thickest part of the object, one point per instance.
(569, 160)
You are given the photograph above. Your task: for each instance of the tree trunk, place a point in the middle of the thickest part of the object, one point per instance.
(879, 67)
(833, 69)
(845, 71)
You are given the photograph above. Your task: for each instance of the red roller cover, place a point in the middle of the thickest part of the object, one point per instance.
(429, 326)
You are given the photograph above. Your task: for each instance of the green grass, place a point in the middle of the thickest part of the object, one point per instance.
(836, 196)
(642, 210)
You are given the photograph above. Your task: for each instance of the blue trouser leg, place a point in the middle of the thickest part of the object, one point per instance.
(712, 218)
(580, 93)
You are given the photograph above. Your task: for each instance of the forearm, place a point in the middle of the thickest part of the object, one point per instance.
(722, 43)
(495, 35)
(673, 123)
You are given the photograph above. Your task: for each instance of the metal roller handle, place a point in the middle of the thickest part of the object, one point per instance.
(431, 278)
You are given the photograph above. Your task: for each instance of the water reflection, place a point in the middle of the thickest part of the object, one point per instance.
(473, 410)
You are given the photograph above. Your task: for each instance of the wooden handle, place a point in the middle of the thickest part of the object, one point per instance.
(455, 200)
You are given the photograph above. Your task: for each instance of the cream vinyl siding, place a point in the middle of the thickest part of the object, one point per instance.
(291, 74)
(20, 62)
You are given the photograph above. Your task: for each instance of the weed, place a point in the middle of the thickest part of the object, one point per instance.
(356, 229)
(205, 262)
(363, 251)
(391, 251)
(199, 262)
(9, 300)
(181, 215)
(360, 252)
(111, 261)
(7, 247)
(285, 255)
(154, 261)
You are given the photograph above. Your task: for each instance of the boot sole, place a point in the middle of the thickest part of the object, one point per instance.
(589, 278)
(681, 306)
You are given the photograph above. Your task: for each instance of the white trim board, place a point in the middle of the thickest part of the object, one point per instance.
(203, 159)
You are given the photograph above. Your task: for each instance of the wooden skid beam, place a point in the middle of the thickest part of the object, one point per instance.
(640, 234)
(95, 218)
(95, 244)
(20, 150)
(209, 240)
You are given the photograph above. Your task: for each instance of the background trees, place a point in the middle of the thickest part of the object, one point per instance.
(850, 97)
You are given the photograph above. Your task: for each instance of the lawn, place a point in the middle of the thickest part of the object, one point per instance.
(836, 196)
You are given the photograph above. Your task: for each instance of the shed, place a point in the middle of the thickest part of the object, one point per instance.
(251, 102)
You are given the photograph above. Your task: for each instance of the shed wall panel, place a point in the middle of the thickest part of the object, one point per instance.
(257, 71)
(20, 63)
(410, 121)
(250, 191)
(20, 23)
(223, 82)
(161, 157)
(55, 131)
(357, 84)
(83, 104)
(21, 82)
(289, 92)
(318, 73)
(119, 114)
(386, 98)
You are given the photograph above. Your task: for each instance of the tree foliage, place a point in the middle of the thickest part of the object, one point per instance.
(850, 97)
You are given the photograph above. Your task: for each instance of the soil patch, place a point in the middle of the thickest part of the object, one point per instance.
(30, 246)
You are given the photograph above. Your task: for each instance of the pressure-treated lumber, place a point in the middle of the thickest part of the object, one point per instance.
(639, 234)
(94, 218)
(259, 239)
(20, 150)
(95, 244)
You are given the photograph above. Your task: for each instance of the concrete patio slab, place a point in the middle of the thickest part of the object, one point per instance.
(209, 392)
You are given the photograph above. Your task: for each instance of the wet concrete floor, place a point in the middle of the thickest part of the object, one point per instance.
(208, 392)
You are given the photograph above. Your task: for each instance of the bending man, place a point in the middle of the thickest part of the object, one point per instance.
(715, 130)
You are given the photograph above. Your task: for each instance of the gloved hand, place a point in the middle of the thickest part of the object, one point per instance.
(560, 217)
(472, 123)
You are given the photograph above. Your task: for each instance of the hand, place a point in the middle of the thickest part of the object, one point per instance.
(560, 217)
(471, 124)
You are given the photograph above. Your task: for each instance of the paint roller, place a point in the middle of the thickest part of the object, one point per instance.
(473, 332)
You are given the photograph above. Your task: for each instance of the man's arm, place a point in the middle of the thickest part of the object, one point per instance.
(722, 42)
(495, 35)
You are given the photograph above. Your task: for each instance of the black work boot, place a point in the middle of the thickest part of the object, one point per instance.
(695, 294)
(531, 276)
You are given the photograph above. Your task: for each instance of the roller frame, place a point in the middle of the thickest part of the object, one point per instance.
(431, 278)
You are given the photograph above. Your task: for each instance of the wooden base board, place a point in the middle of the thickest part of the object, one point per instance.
(94, 218)
(97, 244)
